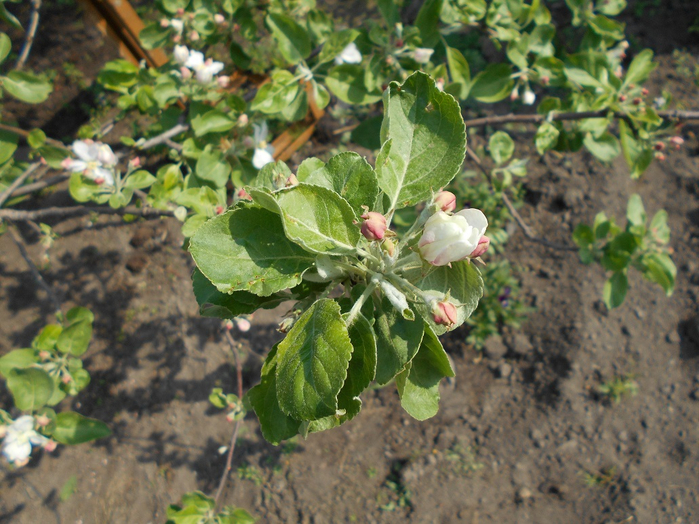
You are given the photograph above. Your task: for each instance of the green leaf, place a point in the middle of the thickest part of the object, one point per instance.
(139, 180)
(582, 77)
(362, 366)
(154, 36)
(239, 56)
(397, 341)
(351, 177)
(424, 141)
(213, 303)
(69, 487)
(213, 121)
(546, 137)
(17, 359)
(368, 133)
(318, 219)
(640, 68)
(75, 338)
(47, 337)
(276, 95)
(36, 138)
(615, 289)
(659, 268)
(606, 27)
(493, 84)
(389, 11)
(605, 148)
(72, 428)
(501, 147)
(659, 228)
(635, 212)
(118, 75)
(346, 81)
(245, 249)
(294, 43)
(610, 7)
(8, 145)
(214, 167)
(583, 236)
(9, 17)
(460, 73)
(307, 167)
(312, 362)
(427, 22)
(418, 385)
(335, 43)
(31, 388)
(26, 87)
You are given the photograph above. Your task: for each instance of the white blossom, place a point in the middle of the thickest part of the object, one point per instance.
(528, 97)
(177, 25)
(206, 72)
(19, 438)
(349, 55)
(263, 151)
(194, 60)
(448, 238)
(96, 161)
(422, 55)
(181, 54)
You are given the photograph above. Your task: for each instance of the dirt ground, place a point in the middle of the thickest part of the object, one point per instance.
(522, 436)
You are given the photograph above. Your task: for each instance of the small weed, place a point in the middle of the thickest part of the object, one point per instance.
(463, 459)
(399, 495)
(604, 477)
(74, 75)
(250, 472)
(290, 446)
(686, 65)
(371, 473)
(617, 388)
(70, 487)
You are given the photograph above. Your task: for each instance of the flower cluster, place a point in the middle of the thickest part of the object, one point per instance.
(20, 436)
(263, 151)
(193, 62)
(96, 161)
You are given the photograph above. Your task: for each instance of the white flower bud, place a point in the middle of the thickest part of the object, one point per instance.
(422, 55)
(447, 238)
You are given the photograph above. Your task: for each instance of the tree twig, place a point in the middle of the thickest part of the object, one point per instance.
(537, 118)
(31, 33)
(40, 184)
(35, 271)
(236, 428)
(164, 137)
(18, 182)
(25, 134)
(20, 215)
(511, 208)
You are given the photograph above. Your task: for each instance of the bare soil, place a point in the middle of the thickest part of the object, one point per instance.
(520, 438)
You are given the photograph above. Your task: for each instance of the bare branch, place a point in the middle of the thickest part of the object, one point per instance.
(164, 137)
(537, 118)
(55, 304)
(20, 215)
(18, 182)
(511, 208)
(25, 134)
(31, 33)
(40, 184)
(234, 437)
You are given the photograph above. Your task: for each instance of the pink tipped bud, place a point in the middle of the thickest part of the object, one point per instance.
(481, 248)
(677, 140)
(446, 201)
(244, 195)
(514, 95)
(136, 161)
(223, 81)
(644, 92)
(660, 156)
(194, 36)
(50, 445)
(42, 161)
(219, 18)
(66, 379)
(659, 146)
(545, 80)
(374, 226)
(66, 163)
(231, 416)
(637, 101)
(439, 84)
(180, 11)
(164, 22)
(99, 180)
(3, 431)
(243, 324)
(622, 98)
(185, 72)
(44, 355)
(220, 209)
(228, 325)
(42, 420)
(291, 181)
(243, 120)
(444, 313)
(176, 38)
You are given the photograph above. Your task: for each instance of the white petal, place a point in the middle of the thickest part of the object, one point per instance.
(181, 54)
(261, 158)
(196, 59)
(23, 424)
(350, 54)
(17, 450)
(475, 218)
(84, 150)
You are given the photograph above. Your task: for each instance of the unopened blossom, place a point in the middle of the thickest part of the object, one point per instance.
(243, 324)
(677, 140)
(422, 55)
(439, 84)
(444, 313)
(349, 55)
(529, 97)
(374, 226)
(514, 95)
(186, 73)
(223, 81)
(263, 151)
(219, 18)
(481, 248)
(181, 54)
(446, 201)
(177, 25)
(95, 161)
(449, 238)
(19, 438)
(243, 195)
(194, 36)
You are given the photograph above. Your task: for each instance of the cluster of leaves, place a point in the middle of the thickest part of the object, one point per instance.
(640, 245)
(196, 507)
(40, 377)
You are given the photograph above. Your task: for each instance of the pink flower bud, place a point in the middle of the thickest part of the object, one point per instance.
(481, 248)
(220, 209)
(164, 22)
(219, 18)
(176, 38)
(243, 120)
(180, 11)
(637, 101)
(444, 313)
(644, 92)
(228, 324)
(66, 379)
(622, 98)
(66, 163)
(545, 80)
(50, 445)
(136, 161)
(659, 146)
(374, 226)
(243, 324)
(99, 180)
(514, 95)
(231, 416)
(44, 355)
(223, 81)
(660, 156)
(42, 420)
(446, 201)
(244, 195)
(678, 140)
(42, 161)
(185, 72)
(194, 36)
